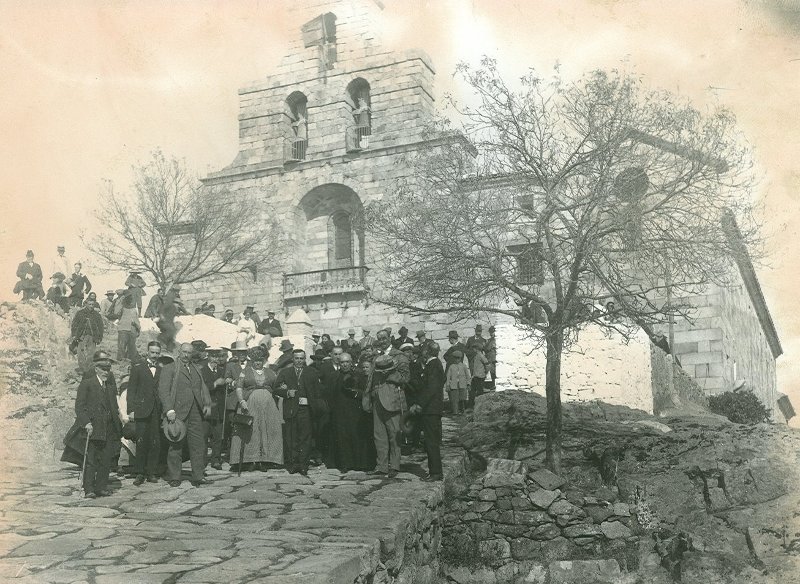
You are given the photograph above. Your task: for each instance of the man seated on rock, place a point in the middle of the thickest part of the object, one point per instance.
(30, 278)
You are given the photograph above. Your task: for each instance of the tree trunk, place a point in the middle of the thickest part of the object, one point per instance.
(555, 344)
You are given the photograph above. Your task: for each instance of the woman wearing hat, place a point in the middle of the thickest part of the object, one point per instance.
(263, 442)
(58, 293)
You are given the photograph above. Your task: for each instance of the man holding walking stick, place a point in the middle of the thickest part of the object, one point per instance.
(97, 428)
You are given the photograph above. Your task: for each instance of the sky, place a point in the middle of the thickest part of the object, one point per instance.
(90, 88)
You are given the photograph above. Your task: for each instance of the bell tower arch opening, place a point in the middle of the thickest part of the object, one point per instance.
(334, 237)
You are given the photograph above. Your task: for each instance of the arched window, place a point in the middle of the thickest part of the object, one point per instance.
(297, 144)
(358, 93)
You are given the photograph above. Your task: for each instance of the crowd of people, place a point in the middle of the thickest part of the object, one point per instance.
(350, 405)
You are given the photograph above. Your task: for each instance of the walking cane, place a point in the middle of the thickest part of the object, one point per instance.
(241, 455)
(85, 452)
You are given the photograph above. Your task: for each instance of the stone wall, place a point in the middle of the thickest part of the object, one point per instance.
(599, 367)
(746, 345)
(511, 525)
(683, 385)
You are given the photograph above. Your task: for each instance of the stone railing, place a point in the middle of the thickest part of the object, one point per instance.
(324, 282)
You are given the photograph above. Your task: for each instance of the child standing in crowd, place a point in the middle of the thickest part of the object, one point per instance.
(457, 383)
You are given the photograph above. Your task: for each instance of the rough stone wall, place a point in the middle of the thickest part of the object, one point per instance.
(600, 367)
(516, 524)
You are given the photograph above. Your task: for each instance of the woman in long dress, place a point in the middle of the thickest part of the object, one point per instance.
(263, 443)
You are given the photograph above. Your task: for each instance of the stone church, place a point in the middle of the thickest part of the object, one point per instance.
(327, 133)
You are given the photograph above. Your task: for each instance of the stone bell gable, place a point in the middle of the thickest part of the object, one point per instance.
(322, 137)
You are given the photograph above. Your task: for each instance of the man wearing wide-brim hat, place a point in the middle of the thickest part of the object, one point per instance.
(285, 358)
(388, 404)
(98, 416)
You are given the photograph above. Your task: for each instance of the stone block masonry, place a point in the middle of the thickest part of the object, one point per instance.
(517, 524)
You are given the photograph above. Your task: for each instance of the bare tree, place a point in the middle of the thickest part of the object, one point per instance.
(557, 198)
(169, 226)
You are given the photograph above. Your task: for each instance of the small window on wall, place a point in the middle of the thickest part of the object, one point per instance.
(529, 263)
(321, 32)
(342, 237)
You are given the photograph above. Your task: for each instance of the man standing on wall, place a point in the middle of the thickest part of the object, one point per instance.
(87, 332)
(79, 285)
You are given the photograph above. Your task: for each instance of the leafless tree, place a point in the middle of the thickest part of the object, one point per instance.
(168, 225)
(555, 198)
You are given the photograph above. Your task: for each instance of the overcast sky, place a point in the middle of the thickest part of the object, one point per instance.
(90, 88)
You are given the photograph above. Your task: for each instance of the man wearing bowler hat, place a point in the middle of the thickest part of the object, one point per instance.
(185, 397)
(96, 414)
(30, 278)
(211, 363)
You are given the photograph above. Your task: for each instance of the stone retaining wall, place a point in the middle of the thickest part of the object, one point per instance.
(511, 525)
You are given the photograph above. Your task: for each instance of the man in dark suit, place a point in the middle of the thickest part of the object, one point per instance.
(285, 360)
(30, 278)
(402, 339)
(429, 408)
(324, 422)
(144, 410)
(268, 324)
(97, 413)
(298, 386)
(185, 397)
(211, 368)
(351, 345)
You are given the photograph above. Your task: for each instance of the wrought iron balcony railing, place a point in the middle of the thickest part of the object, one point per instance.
(325, 282)
(357, 138)
(295, 150)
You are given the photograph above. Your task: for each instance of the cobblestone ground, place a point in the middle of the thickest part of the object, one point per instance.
(262, 526)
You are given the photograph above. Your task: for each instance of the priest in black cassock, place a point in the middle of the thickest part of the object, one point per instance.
(351, 436)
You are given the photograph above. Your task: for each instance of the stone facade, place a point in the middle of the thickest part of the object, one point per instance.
(727, 343)
(313, 156)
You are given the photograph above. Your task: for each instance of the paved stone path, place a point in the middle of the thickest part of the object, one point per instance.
(262, 526)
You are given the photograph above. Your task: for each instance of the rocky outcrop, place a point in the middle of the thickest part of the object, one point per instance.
(709, 501)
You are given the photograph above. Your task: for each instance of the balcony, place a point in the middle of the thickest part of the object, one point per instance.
(325, 282)
(357, 138)
(294, 150)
